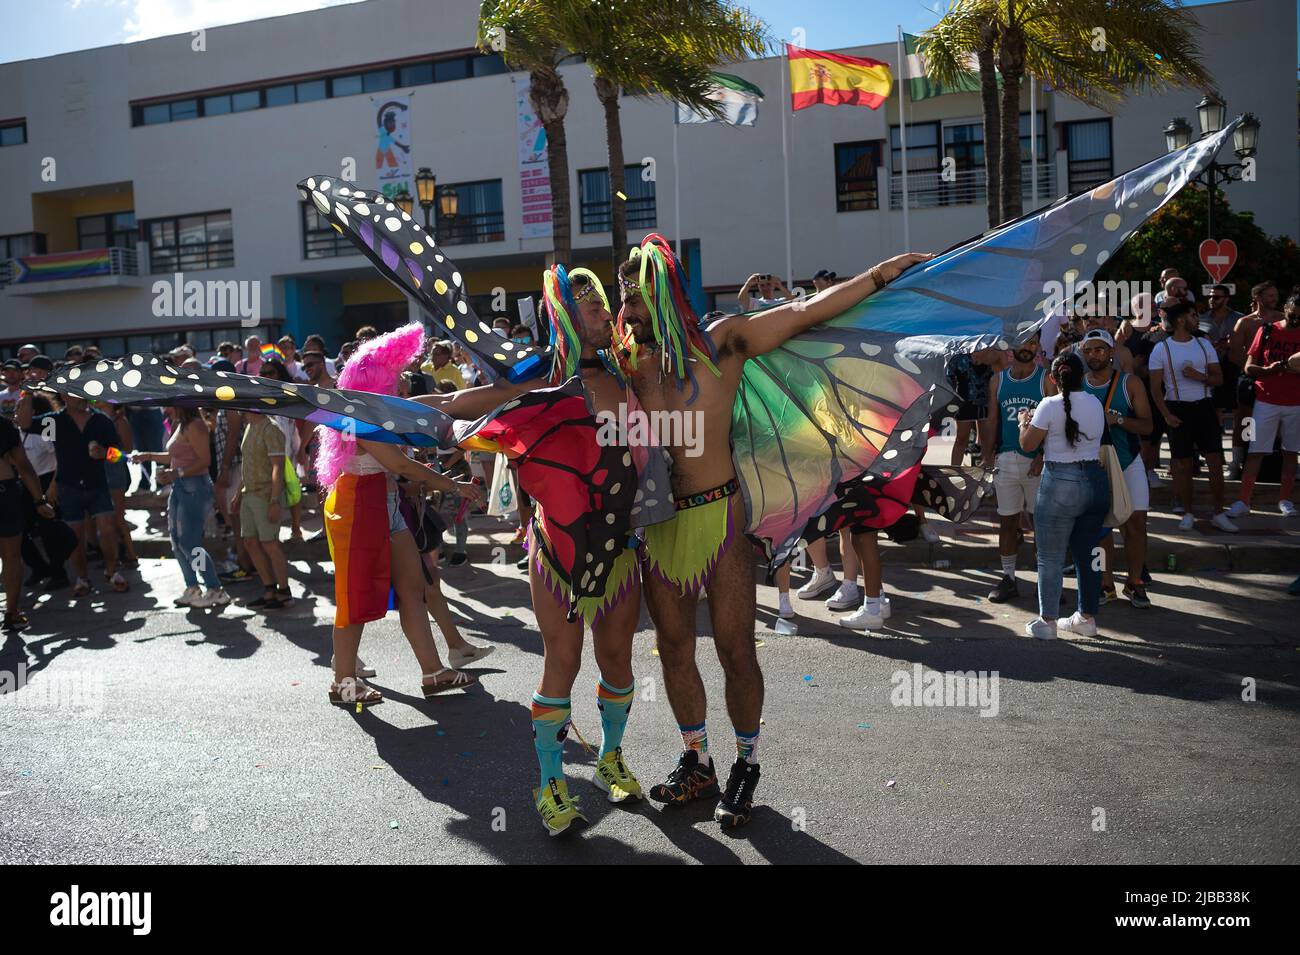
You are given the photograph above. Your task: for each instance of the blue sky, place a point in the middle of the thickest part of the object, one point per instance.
(47, 27)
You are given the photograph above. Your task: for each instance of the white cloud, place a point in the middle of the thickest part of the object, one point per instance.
(154, 18)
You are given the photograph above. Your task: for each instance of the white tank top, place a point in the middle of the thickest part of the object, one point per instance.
(362, 463)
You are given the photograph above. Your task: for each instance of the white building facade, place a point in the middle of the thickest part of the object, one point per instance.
(128, 164)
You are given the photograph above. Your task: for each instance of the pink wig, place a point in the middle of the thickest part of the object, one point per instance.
(374, 367)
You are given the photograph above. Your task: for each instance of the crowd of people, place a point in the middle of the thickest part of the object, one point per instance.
(1070, 420)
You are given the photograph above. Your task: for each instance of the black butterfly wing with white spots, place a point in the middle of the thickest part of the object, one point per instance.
(406, 255)
(149, 380)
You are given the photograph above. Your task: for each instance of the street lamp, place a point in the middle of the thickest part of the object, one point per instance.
(1178, 134)
(1210, 113)
(403, 201)
(426, 187)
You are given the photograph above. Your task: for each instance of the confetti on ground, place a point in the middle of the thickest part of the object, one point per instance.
(864, 726)
(482, 734)
(758, 642)
(889, 785)
(808, 679)
(621, 196)
(654, 651)
(358, 707)
(376, 767)
(441, 732)
(446, 782)
(393, 824)
(296, 683)
(468, 753)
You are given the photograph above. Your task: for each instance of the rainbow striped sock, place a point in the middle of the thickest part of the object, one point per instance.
(615, 705)
(550, 727)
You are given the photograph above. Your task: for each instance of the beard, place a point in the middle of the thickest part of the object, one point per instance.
(1097, 364)
(1024, 357)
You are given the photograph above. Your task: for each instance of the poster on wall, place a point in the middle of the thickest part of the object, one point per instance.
(392, 130)
(534, 167)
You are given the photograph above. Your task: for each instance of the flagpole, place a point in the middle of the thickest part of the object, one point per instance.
(677, 191)
(902, 135)
(785, 156)
(1033, 143)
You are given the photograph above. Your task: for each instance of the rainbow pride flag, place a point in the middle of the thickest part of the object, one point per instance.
(272, 351)
(63, 265)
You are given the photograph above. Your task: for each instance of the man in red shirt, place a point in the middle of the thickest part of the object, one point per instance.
(1277, 403)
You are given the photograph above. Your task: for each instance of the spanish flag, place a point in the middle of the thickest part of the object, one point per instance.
(836, 80)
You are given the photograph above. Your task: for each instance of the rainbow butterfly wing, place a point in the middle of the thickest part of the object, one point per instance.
(408, 256)
(881, 364)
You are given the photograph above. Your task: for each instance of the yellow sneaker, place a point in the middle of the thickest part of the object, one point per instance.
(613, 776)
(557, 808)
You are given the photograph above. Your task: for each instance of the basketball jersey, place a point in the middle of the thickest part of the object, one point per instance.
(1013, 395)
(1126, 443)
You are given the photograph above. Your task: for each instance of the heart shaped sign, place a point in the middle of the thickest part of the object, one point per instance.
(1218, 258)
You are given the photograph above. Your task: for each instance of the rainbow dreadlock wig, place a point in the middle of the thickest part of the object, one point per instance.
(675, 325)
(374, 367)
(560, 304)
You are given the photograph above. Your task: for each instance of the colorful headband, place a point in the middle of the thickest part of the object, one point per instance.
(674, 323)
(560, 304)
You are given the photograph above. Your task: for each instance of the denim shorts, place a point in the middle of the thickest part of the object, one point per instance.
(79, 503)
(396, 522)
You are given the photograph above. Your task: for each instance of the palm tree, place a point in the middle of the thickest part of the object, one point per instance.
(664, 49)
(1142, 45)
(523, 31)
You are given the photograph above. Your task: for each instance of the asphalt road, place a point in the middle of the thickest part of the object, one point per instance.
(206, 737)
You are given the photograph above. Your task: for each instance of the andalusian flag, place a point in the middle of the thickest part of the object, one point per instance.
(920, 86)
(836, 80)
(739, 100)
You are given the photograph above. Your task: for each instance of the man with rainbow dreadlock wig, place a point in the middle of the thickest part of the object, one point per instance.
(577, 309)
(677, 367)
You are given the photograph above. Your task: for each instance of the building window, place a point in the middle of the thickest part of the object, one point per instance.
(113, 230)
(13, 134)
(320, 240)
(479, 214)
(18, 246)
(593, 185)
(189, 243)
(311, 90)
(1088, 153)
(346, 83)
(855, 176)
(489, 65)
(377, 80)
(446, 70)
(417, 74)
(962, 141)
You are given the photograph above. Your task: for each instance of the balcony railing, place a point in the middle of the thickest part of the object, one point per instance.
(69, 271)
(927, 189)
(61, 266)
(469, 229)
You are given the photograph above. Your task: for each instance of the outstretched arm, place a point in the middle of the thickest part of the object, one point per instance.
(469, 404)
(753, 335)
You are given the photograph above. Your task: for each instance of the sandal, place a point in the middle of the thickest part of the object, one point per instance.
(362, 669)
(461, 681)
(353, 691)
(14, 621)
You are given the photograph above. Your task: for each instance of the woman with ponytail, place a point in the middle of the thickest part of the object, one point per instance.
(1073, 496)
